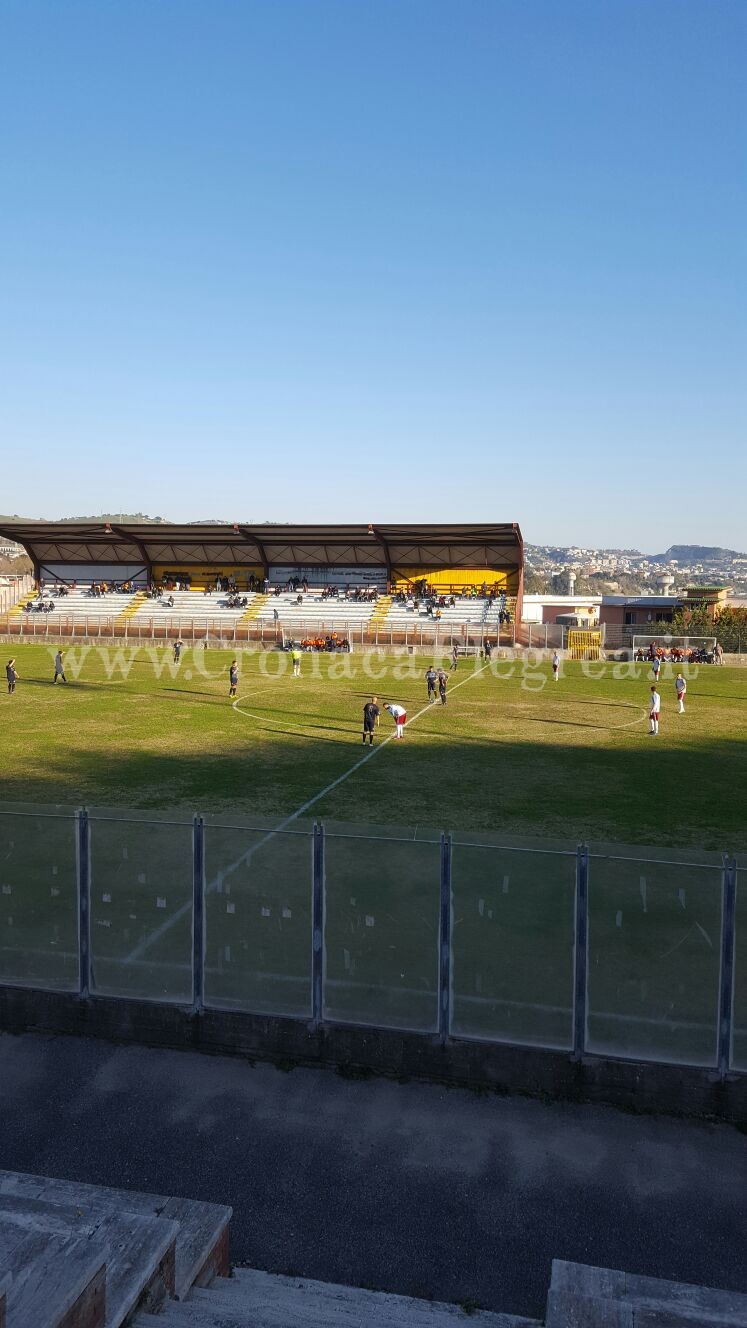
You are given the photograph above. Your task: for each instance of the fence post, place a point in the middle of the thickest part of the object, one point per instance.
(726, 985)
(581, 951)
(198, 914)
(444, 971)
(317, 925)
(84, 902)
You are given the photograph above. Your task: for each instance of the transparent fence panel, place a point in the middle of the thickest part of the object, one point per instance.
(512, 944)
(258, 911)
(141, 909)
(739, 1037)
(381, 931)
(654, 959)
(39, 900)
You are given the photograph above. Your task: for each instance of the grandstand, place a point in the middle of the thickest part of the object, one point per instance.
(364, 582)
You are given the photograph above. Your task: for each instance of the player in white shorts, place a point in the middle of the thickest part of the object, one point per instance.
(654, 712)
(680, 687)
(399, 715)
(555, 666)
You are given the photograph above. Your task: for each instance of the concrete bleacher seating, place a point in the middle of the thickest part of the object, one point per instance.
(475, 613)
(584, 1297)
(85, 1256)
(193, 606)
(140, 615)
(79, 604)
(334, 614)
(253, 1299)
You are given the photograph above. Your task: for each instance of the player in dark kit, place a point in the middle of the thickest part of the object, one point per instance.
(233, 678)
(430, 678)
(443, 680)
(11, 675)
(371, 714)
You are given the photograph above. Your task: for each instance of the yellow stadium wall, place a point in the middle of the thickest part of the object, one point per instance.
(206, 574)
(441, 578)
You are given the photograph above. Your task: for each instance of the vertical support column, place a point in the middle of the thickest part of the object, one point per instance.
(581, 952)
(198, 914)
(317, 925)
(444, 939)
(83, 849)
(726, 985)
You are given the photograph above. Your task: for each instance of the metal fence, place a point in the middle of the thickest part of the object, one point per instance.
(418, 633)
(597, 950)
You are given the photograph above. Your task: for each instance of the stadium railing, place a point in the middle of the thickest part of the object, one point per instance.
(594, 950)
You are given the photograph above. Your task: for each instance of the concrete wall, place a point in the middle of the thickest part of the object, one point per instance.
(494, 1067)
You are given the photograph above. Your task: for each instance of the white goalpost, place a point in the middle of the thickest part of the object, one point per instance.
(677, 648)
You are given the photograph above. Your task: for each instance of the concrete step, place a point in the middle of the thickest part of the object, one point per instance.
(252, 1299)
(202, 1239)
(625, 1299)
(51, 1281)
(138, 1252)
(566, 1310)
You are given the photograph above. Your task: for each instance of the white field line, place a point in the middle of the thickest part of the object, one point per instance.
(246, 857)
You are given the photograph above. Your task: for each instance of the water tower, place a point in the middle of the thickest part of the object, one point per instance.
(571, 576)
(664, 583)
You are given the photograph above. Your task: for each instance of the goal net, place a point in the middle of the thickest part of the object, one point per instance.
(679, 649)
(584, 644)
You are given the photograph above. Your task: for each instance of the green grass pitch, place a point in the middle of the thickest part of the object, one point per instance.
(513, 762)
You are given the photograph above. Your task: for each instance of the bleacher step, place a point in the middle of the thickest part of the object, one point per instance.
(51, 1281)
(253, 1299)
(202, 1228)
(138, 1251)
(581, 1294)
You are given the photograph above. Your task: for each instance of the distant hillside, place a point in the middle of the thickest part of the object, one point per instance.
(137, 518)
(700, 553)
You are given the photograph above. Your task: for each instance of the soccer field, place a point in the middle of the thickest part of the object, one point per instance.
(511, 752)
(518, 767)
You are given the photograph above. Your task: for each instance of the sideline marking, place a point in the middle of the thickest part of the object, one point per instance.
(166, 926)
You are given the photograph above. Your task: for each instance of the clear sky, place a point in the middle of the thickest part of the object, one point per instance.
(377, 260)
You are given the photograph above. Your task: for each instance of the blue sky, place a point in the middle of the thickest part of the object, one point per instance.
(377, 260)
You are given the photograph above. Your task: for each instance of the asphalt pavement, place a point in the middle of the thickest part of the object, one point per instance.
(405, 1187)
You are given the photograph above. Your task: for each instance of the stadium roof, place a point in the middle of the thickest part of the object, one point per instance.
(474, 546)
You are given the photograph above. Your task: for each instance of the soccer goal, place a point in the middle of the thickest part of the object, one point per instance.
(584, 644)
(679, 649)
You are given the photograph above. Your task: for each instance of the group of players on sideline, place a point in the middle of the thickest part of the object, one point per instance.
(436, 682)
